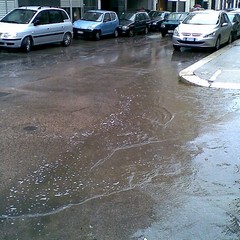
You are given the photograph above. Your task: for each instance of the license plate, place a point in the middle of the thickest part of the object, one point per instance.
(190, 39)
(80, 32)
(170, 31)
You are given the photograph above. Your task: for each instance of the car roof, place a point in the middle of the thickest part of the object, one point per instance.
(36, 8)
(100, 11)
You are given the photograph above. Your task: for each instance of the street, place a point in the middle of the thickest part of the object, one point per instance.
(101, 141)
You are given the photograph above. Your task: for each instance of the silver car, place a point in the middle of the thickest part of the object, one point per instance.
(203, 29)
(25, 27)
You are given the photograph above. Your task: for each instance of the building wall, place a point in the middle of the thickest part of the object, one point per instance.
(53, 3)
(6, 6)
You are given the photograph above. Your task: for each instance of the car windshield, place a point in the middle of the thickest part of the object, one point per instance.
(20, 16)
(177, 16)
(127, 16)
(202, 19)
(154, 14)
(93, 16)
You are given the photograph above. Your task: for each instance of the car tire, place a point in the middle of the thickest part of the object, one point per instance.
(176, 48)
(98, 35)
(131, 33)
(26, 45)
(67, 39)
(116, 33)
(163, 34)
(217, 45)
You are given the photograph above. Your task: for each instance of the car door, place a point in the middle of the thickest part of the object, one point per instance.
(237, 21)
(40, 30)
(138, 23)
(225, 28)
(56, 26)
(115, 21)
(107, 24)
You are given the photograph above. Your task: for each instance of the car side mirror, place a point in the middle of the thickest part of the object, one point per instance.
(36, 23)
(224, 24)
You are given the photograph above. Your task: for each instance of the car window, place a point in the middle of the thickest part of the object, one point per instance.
(232, 17)
(21, 16)
(138, 17)
(224, 19)
(143, 16)
(107, 17)
(64, 15)
(127, 16)
(113, 16)
(93, 16)
(42, 17)
(55, 16)
(174, 16)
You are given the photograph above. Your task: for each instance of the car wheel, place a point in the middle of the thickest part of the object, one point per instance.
(67, 39)
(97, 35)
(177, 48)
(26, 44)
(116, 33)
(217, 45)
(163, 34)
(131, 33)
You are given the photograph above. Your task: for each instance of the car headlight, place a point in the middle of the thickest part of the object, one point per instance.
(163, 25)
(125, 27)
(91, 28)
(9, 35)
(176, 32)
(154, 23)
(209, 35)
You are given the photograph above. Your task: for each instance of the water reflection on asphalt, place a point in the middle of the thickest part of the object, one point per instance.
(162, 163)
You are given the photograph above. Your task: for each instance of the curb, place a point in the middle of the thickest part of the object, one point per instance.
(188, 75)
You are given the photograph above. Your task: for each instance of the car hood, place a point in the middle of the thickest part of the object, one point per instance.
(193, 28)
(12, 27)
(125, 22)
(83, 24)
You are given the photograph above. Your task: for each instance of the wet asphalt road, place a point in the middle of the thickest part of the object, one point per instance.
(100, 141)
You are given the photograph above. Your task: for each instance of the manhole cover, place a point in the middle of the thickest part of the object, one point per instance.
(30, 128)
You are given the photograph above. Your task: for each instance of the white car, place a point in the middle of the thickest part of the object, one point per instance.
(25, 27)
(203, 29)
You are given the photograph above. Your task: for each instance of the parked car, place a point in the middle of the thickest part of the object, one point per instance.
(132, 23)
(97, 23)
(157, 17)
(235, 20)
(203, 29)
(172, 22)
(26, 27)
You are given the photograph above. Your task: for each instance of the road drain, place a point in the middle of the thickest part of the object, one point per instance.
(30, 128)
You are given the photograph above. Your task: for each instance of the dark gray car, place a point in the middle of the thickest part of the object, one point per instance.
(132, 23)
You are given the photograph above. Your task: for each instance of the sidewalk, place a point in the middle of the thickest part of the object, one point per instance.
(221, 69)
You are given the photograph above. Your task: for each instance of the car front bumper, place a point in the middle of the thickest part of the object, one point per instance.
(193, 42)
(84, 32)
(10, 43)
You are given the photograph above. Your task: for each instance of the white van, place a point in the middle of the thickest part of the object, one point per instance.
(25, 27)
